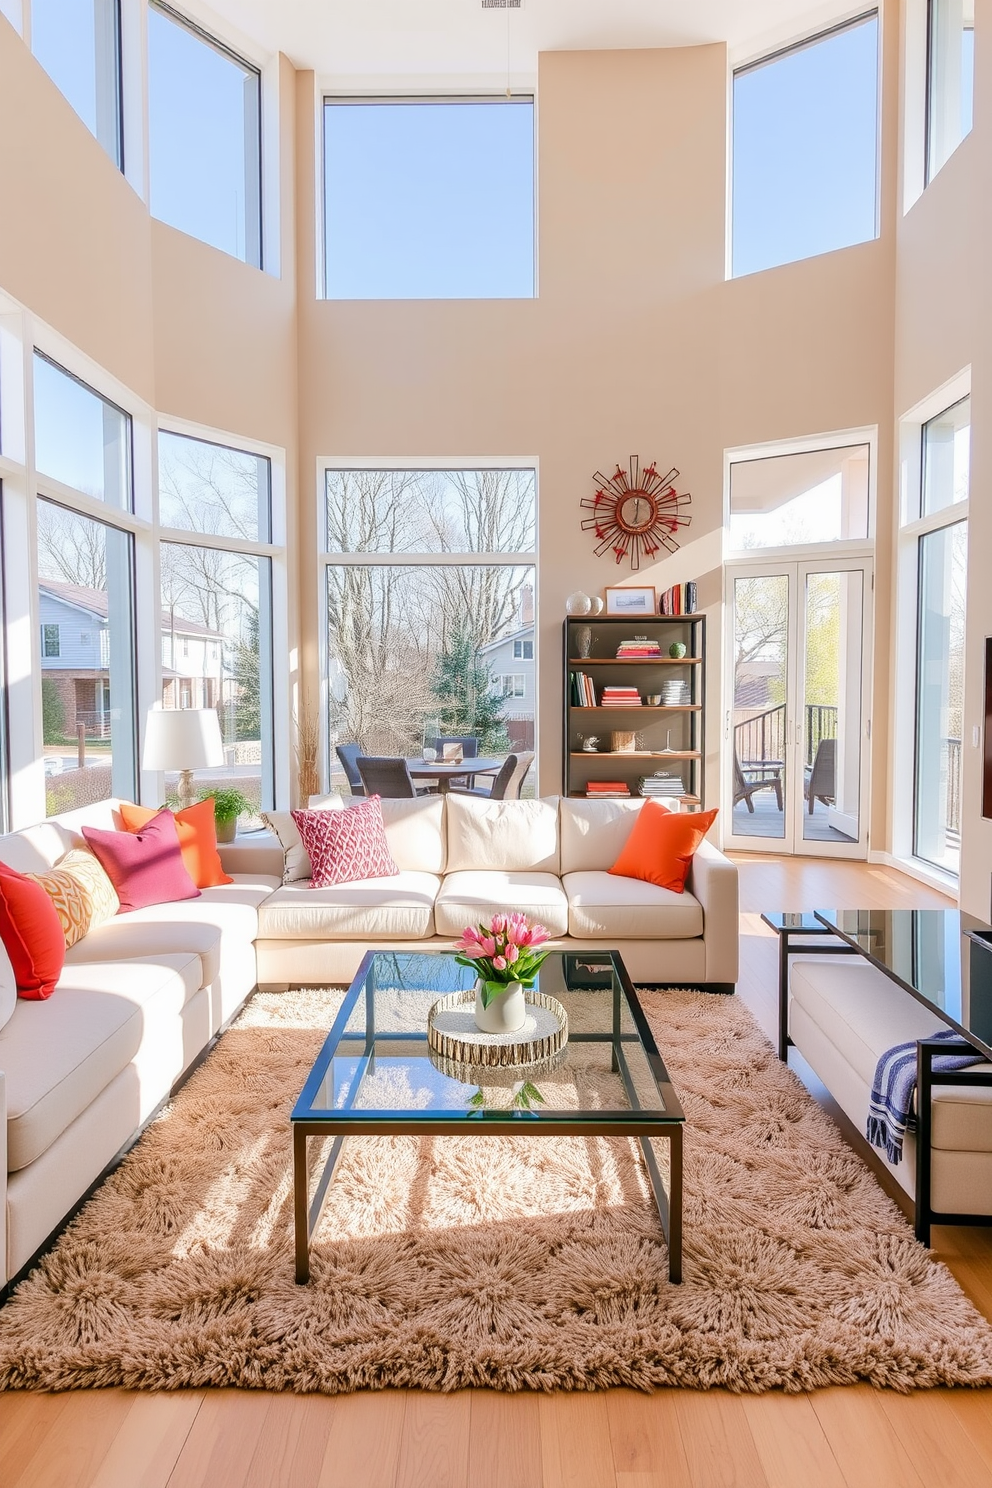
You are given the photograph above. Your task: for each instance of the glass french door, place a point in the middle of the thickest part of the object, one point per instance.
(797, 724)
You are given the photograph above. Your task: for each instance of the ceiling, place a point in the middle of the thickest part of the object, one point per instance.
(365, 42)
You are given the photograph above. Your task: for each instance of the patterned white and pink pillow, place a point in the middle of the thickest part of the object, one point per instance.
(347, 845)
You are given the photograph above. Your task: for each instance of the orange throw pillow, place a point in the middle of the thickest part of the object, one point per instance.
(661, 846)
(32, 934)
(197, 829)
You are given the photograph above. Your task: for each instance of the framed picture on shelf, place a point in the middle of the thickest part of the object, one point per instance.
(631, 599)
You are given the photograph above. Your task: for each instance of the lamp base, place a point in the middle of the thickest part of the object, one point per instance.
(184, 790)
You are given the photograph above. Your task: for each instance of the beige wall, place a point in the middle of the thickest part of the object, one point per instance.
(636, 344)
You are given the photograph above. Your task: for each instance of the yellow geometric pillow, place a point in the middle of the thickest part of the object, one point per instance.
(83, 895)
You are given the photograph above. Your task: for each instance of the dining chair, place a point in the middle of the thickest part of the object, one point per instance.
(386, 775)
(348, 754)
(506, 785)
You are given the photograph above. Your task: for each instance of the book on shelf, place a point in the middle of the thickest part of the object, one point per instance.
(620, 697)
(607, 788)
(660, 784)
(679, 600)
(582, 692)
(639, 647)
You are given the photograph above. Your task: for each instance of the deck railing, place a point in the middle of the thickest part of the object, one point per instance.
(761, 736)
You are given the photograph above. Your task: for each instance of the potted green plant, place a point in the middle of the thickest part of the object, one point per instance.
(229, 803)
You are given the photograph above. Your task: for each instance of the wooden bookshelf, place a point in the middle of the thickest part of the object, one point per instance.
(680, 725)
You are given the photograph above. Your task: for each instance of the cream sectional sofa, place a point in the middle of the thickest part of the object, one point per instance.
(141, 997)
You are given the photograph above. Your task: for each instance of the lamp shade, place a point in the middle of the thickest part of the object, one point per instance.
(182, 739)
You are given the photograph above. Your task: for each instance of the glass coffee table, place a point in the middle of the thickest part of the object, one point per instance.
(375, 1075)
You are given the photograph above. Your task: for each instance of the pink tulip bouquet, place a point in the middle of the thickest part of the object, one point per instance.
(502, 952)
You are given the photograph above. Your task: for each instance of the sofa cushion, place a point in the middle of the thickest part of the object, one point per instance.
(593, 833)
(8, 987)
(397, 908)
(505, 836)
(346, 846)
(662, 844)
(415, 832)
(32, 933)
(296, 862)
(601, 904)
(145, 867)
(81, 892)
(196, 828)
(467, 897)
(192, 925)
(59, 1055)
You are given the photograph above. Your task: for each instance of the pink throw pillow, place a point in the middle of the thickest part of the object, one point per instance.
(344, 846)
(144, 867)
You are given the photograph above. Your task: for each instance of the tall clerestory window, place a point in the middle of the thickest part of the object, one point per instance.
(428, 199)
(204, 137)
(950, 78)
(805, 149)
(78, 43)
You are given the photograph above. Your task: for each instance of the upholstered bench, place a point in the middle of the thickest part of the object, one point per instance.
(843, 1016)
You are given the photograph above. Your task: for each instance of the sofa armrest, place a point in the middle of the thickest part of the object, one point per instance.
(713, 880)
(3, 1180)
(253, 852)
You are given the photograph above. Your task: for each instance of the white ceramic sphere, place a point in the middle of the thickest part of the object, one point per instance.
(578, 603)
(597, 605)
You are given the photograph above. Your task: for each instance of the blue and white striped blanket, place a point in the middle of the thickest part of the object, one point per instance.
(890, 1109)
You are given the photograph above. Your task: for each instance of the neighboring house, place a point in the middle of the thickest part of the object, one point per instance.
(75, 657)
(511, 662)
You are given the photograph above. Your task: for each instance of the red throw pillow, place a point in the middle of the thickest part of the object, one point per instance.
(661, 846)
(144, 867)
(197, 830)
(347, 845)
(32, 934)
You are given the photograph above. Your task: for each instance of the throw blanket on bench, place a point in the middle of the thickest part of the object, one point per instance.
(890, 1109)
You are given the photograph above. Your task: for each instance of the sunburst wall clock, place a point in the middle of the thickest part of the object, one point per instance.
(636, 512)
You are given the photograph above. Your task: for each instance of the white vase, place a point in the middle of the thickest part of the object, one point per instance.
(505, 1014)
(578, 603)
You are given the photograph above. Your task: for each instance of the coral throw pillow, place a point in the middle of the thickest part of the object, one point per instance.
(662, 844)
(81, 892)
(145, 867)
(31, 933)
(347, 845)
(196, 827)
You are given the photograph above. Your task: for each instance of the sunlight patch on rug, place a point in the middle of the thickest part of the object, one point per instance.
(512, 1262)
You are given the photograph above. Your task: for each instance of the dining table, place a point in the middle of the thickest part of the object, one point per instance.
(445, 771)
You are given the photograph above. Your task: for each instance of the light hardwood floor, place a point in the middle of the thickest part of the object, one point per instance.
(856, 1436)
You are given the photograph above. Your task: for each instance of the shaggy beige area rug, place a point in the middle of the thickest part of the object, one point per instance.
(519, 1263)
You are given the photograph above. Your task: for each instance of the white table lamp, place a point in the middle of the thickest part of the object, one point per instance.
(183, 739)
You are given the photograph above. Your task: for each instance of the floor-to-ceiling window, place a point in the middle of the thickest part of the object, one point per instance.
(85, 591)
(215, 511)
(429, 590)
(941, 556)
(798, 650)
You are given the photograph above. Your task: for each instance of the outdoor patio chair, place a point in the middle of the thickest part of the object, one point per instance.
(348, 754)
(759, 777)
(386, 775)
(506, 785)
(821, 777)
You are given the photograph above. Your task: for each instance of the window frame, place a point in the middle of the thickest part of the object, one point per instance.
(46, 640)
(750, 62)
(261, 254)
(929, 97)
(330, 98)
(327, 558)
(119, 155)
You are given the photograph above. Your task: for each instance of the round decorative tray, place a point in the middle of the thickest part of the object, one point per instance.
(452, 1034)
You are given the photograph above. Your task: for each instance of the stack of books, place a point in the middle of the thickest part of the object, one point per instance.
(640, 646)
(679, 600)
(607, 788)
(660, 784)
(583, 692)
(620, 697)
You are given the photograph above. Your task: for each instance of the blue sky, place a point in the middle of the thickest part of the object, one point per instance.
(804, 161)
(427, 200)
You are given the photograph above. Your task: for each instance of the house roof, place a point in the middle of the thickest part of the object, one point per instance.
(525, 631)
(94, 602)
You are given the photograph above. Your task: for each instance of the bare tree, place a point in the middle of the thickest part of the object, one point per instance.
(71, 549)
